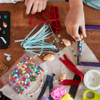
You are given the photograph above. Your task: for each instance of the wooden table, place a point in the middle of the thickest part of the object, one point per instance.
(20, 27)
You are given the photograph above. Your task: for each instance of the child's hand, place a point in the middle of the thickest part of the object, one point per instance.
(34, 6)
(74, 20)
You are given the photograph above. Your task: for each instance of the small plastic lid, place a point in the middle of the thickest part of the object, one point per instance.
(92, 79)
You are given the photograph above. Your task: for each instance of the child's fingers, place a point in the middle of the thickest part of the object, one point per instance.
(40, 7)
(29, 6)
(70, 30)
(44, 5)
(26, 1)
(75, 33)
(83, 30)
(35, 7)
(67, 28)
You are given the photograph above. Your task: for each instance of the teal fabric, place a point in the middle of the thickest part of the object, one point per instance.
(93, 3)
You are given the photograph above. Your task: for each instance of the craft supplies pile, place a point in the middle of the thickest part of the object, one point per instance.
(30, 77)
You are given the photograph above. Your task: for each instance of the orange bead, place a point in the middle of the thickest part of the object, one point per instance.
(42, 70)
(27, 60)
(36, 77)
(41, 87)
(22, 84)
(79, 58)
(10, 77)
(21, 92)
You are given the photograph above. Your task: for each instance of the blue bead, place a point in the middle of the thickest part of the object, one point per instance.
(31, 96)
(74, 55)
(90, 31)
(58, 54)
(24, 60)
(10, 85)
(20, 61)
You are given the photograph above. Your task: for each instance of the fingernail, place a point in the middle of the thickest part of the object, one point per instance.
(85, 36)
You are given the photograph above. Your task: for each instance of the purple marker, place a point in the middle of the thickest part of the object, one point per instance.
(89, 64)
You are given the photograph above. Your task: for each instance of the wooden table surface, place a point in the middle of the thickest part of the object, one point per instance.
(20, 27)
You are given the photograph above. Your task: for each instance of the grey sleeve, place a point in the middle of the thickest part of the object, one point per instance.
(10, 1)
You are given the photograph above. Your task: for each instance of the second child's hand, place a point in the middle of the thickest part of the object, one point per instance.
(75, 19)
(33, 6)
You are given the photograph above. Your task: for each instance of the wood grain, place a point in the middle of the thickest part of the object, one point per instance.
(20, 27)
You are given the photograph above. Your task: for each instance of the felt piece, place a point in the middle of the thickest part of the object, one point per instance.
(45, 98)
(67, 97)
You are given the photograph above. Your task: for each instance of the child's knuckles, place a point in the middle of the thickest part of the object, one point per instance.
(39, 10)
(33, 12)
(74, 25)
(70, 24)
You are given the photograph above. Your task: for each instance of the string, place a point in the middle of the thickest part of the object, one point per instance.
(52, 70)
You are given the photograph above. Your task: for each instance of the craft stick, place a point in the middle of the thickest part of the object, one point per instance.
(89, 64)
(92, 27)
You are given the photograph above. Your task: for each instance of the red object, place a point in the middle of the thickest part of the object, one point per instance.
(53, 14)
(73, 68)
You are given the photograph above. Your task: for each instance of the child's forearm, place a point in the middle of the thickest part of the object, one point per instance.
(76, 3)
(9, 1)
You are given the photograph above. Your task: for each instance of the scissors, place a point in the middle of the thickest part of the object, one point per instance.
(96, 95)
